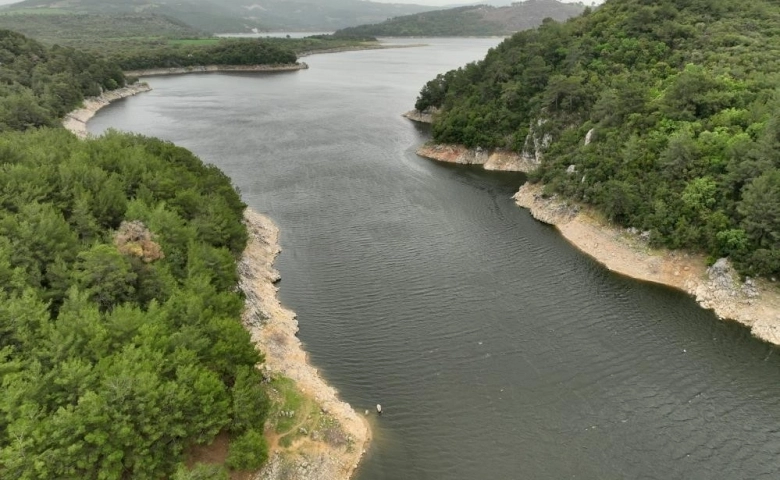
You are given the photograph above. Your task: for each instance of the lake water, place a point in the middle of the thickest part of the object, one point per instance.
(497, 350)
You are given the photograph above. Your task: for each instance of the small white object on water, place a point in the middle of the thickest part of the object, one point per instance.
(366, 412)
(379, 409)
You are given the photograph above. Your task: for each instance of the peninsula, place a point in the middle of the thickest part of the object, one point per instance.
(320, 437)
(634, 112)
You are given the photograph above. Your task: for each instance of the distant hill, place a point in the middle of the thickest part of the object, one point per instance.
(229, 16)
(82, 29)
(470, 20)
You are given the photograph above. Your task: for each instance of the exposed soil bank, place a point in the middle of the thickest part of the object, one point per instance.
(217, 68)
(76, 121)
(754, 303)
(273, 329)
(490, 160)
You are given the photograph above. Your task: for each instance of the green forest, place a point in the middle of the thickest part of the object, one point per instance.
(138, 55)
(38, 84)
(87, 31)
(121, 342)
(219, 52)
(683, 102)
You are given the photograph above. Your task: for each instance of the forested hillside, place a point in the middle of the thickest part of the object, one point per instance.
(121, 342)
(472, 20)
(231, 16)
(681, 98)
(91, 30)
(206, 52)
(38, 85)
(137, 42)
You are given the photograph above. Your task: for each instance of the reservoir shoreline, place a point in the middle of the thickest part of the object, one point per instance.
(274, 330)
(754, 303)
(156, 72)
(358, 48)
(76, 121)
(497, 160)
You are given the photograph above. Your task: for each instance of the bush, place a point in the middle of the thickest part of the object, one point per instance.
(248, 452)
(201, 471)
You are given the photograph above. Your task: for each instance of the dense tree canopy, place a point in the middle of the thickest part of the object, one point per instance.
(120, 343)
(216, 52)
(38, 85)
(682, 97)
(81, 30)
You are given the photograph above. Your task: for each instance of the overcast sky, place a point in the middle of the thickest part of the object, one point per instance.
(466, 2)
(418, 2)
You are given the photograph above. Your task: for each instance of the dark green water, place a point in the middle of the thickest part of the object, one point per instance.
(497, 350)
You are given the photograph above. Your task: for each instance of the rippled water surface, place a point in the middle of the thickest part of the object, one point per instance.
(497, 350)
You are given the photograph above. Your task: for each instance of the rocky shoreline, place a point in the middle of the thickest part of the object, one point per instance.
(418, 116)
(273, 329)
(154, 72)
(753, 303)
(76, 121)
(501, 160)
(358, 48)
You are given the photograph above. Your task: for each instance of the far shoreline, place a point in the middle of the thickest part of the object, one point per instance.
(76, 120)
(360, 48)
(157, 72)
